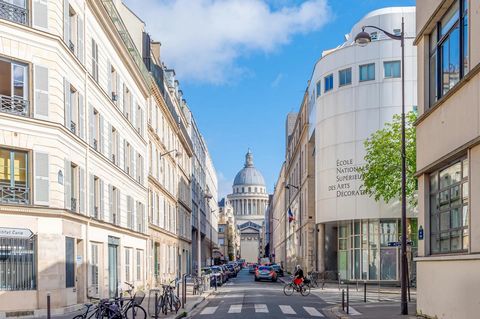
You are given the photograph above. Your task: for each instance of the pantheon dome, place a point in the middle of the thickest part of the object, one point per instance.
(249, 175)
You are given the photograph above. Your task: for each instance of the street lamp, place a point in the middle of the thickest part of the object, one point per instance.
(362, 39)
(177, 153)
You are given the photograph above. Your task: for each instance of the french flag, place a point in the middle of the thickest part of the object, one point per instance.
(291, 217)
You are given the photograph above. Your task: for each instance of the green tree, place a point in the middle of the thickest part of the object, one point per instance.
(382, 173)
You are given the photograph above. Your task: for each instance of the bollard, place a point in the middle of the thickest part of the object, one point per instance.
(184, 291)
(343, 299)
(364, 291)
(48, 306)
(216, 283)
(348, 300)
(156, 305)
(177, 283)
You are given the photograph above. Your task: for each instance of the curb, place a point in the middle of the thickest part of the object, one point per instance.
(188, 314)
(335, 310)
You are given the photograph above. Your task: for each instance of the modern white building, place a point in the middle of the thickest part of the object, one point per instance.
(249, 201)
(353, 92)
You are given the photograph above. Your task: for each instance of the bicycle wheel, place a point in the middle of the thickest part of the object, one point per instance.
(136, 312)
(176, 304)
(288, 289)
(165, 303)
(78, 317)
(305, 290)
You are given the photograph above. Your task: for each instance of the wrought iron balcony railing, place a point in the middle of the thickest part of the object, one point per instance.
(13, 13)
(73, 127)
(95, 144)
(13, 104)
(14, 194)
(73, 204)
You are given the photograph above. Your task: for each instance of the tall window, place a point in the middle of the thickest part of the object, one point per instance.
(13, 88)
(328, 82)
(345, 77)
(74, 173)
(94, 269)
(69, 262)
(391, 69)
(449, 50)
(114, 80)
(96, 197)
(114, 150)
(14, 177)
(72, 24)
(449, 209)
(96, 130)
(139, 264)
(319, 88)
(367, 72)
(94, 60)
(128, 268)
(115, 201)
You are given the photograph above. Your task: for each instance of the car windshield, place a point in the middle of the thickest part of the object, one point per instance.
(276, 267)
(216, 270)
(264, 268)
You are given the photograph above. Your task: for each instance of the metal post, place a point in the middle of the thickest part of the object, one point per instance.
(343, 299)
(177, 283)
(404, 306)
(364, 291)
(348, 299)
(48, 306)
(184, 291)
(156, 305)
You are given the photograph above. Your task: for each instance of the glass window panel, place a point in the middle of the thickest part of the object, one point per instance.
(19, 80)
(455, 195)
(444, 199)
(343, 244)
(357, 242)
(456, 240)
(388, 264)
(20, 168)
(4, 166)
(435, 243)
(455, 218)
(364, 264)
(444, 221)
(465, 239)
(357, 228)
(433, 40)
(392, 69)
(465, 191)
(373, 265)
(373, 234)
(342, 264)
(465, 168)
(465, 216)
(433, 182)
(434, 202)
(433, 79)
(434, 223)
(466, 64)
(357, 264)
(449, 19)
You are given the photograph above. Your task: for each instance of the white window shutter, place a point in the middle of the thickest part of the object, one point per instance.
(109, 79)
(67, 106)
(117, 155)
(132, 162)
(67, 183)
(41, 92)
(91, 198)
(110, 202)
(42, 182)
(119, 93)
(102, 212)
(81, 117)
(108, 144)
(82, 191)
(40, 14)
(90, 124)
(101, 135)
(66, 22)
(133, 108)
(119, 208)
(125, 157)
(80, 41)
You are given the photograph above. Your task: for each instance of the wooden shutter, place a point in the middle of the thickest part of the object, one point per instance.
(67, 183)
(91, 120)
(108, 145)
(80, 46)
(42, 188)
(102, 201)
(67, 105)
(101, 135)
(109, 79)
(66, 22)
(82, 191)
(110, 201)
(40, 14)
(41, 92)
(81, 117)
(91, 197)
(119, 209)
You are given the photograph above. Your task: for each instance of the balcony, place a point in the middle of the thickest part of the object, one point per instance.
(71, 46)
(73, 127)
(13, 104)
(14, 194)
(13, 13)
(95, 144)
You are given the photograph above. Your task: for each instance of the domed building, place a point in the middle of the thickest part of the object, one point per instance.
(249, 201)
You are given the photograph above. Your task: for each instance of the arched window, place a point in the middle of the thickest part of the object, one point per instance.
(249, 189)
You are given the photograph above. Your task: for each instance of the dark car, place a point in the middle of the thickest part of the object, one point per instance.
(232, 269)
(278, 269)
(265, 273)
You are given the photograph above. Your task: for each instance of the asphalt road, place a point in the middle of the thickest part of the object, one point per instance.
(242, 297)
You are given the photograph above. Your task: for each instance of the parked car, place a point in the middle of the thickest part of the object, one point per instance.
(227, 271)
(235, 266)
(222, 277)
(232, 269)
(278, 269)
(265, 273)
(252, 268)
(213, 276)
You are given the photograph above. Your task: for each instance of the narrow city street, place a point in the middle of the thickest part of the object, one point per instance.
(242, 296)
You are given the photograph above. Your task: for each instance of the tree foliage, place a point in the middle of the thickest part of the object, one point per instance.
(382, 173)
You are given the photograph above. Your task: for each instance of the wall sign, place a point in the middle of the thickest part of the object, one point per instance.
(347, 174)
(15, 232)
(420, 233)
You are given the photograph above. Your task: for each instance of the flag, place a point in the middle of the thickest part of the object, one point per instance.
(291, 217)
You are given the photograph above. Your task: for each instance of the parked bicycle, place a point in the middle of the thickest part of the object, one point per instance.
(291, 287)
(167, 300)
(312, 279)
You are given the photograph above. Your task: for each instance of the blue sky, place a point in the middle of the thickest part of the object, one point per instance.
(241, 77)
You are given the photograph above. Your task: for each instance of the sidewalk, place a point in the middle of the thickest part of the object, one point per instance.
(374, 311)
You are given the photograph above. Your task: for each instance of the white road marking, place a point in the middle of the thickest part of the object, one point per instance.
(261, 308)
(234, 296)
(235, 309)
(353, 312)
(209, 310)
(313, 312)
(287, 310)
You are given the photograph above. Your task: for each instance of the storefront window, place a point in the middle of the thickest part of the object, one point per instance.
(18, 263)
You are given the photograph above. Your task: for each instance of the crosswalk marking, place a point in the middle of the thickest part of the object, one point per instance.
(287, 310)
(261, 308)
(353, 312)
(313, 312)
(235, 309)
(209, 311)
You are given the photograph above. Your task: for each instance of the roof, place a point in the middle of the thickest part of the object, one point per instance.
(249, 175)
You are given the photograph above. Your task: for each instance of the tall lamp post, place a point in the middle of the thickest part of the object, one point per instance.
(362, 39)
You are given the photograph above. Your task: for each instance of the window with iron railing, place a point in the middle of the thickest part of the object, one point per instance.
(14, 90)
(14, 176)
(14, 11)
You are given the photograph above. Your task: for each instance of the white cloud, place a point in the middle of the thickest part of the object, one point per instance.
(224, 185)
(202, 39)
(277, 80)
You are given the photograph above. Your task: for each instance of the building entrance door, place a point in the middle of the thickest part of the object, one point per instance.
(112, 270)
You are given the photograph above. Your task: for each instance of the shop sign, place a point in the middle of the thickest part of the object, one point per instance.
(15, 232)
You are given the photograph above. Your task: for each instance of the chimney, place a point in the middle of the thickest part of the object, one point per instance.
(155, 46)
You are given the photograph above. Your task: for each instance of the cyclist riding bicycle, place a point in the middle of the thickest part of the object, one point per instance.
(298, 276)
